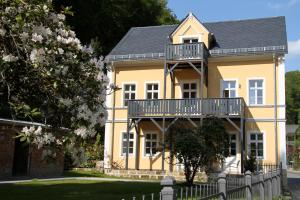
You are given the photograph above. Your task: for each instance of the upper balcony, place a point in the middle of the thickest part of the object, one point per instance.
(192, 108)
(191, 51)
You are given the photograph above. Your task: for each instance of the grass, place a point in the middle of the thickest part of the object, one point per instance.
(77, 190)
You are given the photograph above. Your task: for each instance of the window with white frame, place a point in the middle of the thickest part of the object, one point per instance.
(129, 93)
(256, 145)
(124, 143)
(150, 144)
(228, 89)
(256, 92)
(232, 142)
(189, 90)
(190, 40)
(152, 90)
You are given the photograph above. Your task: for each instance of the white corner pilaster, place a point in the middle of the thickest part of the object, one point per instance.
(108, 125)
(282, 110)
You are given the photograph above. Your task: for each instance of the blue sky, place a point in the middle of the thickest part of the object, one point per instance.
(219, 10)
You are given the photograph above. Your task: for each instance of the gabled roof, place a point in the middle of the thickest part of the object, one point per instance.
(190, 15)
(262, 34)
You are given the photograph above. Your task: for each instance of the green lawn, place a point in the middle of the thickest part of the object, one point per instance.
(77, 189)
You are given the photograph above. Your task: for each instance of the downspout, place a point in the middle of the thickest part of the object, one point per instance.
(275, 109)
(113, 115)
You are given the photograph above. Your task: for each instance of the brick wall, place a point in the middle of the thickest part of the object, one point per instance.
(42, 168)
(38, 167)
(7, 145)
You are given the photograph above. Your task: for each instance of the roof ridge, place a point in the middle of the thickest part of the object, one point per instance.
(154, 26)
(212, 22)
(239, 20)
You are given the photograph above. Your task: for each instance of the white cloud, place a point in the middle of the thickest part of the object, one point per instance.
(285, 5)
(294, 48)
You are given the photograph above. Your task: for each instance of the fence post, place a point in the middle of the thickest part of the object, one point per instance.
(279, 181)
(261, 186)
(168, 191)
(274, 182)
(222, 185)
(248, 183)
(269, 185)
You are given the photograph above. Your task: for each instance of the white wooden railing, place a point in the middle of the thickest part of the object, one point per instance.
(186, 107)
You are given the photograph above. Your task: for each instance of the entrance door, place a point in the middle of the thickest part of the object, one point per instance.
(20, 164)
(232, 163)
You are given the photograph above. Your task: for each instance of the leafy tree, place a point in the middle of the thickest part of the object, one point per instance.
(48, 76)
(106, 21)
(292, 81)
(198, 148)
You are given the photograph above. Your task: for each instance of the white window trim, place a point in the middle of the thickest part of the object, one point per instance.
(121, 146)
(198, 36)
(123, 91)
(264, 91)
(190, 81)
(151, 82)
(264, 143)
(236, 86)
(144, 144)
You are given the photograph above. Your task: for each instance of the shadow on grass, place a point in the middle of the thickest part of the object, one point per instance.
(78, 190)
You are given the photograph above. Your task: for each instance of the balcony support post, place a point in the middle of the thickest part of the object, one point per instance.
(201, 91)
(137, 143)
(242, 142)
(233, 124)
(164, 116)
(127, 142)
(193, 123)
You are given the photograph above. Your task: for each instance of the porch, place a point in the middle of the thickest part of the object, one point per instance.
(193, 108)
(186, 51)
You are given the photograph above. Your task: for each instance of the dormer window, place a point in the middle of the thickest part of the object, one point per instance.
(190, 40)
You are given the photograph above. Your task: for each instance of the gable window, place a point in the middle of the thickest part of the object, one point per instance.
(129, 93)
(229, 89)
(190, 40)
(152, 91)
(124, 143)
(189, 90)
(232, 142)
(257, 145)
(150, 144)
(256, 92)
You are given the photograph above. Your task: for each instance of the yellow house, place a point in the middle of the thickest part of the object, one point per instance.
(233, 70)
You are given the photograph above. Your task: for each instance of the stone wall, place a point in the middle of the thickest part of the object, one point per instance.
(152, 174)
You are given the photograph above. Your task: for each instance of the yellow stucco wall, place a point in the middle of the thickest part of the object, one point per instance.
(238, 70)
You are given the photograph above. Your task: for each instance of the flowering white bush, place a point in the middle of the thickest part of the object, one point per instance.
(48, 76)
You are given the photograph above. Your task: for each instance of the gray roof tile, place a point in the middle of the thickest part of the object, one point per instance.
(249, 33)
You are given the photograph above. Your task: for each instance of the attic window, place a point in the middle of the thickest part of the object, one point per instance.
(190, 40)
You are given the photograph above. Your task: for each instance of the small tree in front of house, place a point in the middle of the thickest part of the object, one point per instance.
(198, 148)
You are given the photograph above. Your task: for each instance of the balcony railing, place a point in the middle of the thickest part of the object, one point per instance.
(233, 107)
(186, 51)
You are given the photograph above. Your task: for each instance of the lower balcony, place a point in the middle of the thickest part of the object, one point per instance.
(192, 108)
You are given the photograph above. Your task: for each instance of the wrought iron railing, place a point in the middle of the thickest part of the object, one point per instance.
(186, 51)
(186, 107)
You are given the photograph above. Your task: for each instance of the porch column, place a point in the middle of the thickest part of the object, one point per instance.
(164, 117)
(201, 91)
(242, 144)
(137, 146)
(127, 144)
